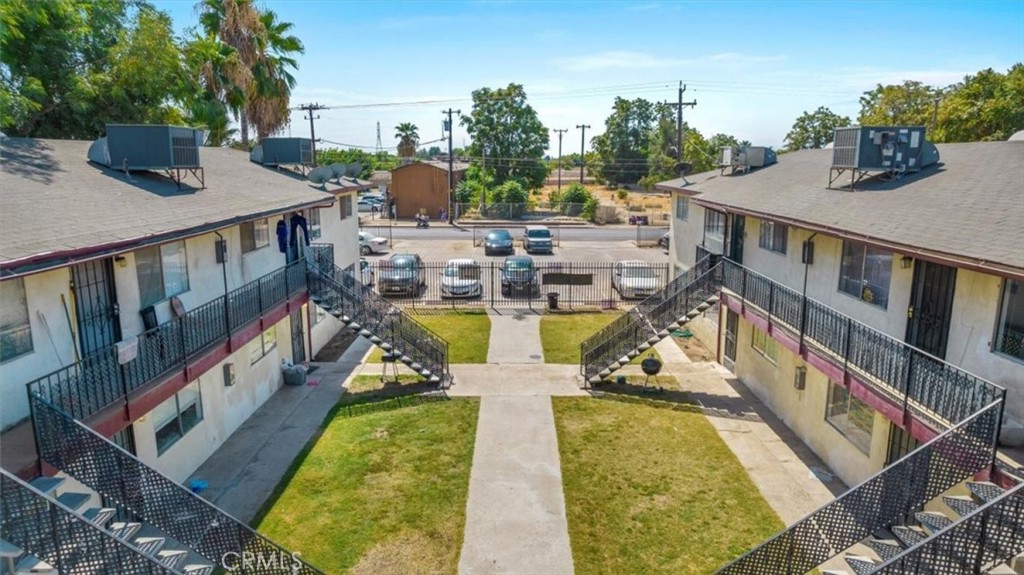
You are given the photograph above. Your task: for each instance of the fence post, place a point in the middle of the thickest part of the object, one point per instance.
(846, 353)
(909, 380)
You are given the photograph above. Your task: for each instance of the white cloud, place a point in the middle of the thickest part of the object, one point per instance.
(625, 59)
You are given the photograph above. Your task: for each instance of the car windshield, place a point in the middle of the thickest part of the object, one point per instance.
(499, 235)
(519, 266)
(462, 272)
(538, 234)
(403, 263)
(638, 272)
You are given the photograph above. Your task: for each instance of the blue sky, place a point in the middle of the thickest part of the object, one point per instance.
(752, 67)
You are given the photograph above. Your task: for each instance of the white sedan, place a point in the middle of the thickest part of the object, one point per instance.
(371, 244)
(635, 279)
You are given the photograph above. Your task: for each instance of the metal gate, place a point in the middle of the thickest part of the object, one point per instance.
(468, 283)
(931, 307)
(96, 310)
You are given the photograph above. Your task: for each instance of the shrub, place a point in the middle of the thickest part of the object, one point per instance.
(622, 194)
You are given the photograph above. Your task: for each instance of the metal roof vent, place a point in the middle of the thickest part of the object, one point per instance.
(745, 158)
(171, 149)
(891, 150)
(284, 152)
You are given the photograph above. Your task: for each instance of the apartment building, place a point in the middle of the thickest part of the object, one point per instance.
(151, 288)
(920, 265)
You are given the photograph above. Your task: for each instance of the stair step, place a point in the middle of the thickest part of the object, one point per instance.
(124, 530)
(171, 557)
(984, 490)
(73, 500)
(385, 346)
(910, 536)
(835, 572)
(961, 504)
(99, 515)
(32, 564)
(198, 569)
(886, 548)
(149, 545)
(932, 520)
(861, 564)
(46, 484)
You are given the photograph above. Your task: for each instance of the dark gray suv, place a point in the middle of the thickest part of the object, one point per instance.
(519, 277)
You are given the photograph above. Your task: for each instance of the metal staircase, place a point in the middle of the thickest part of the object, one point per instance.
(172, 529)
(363, 310)
(652, 320)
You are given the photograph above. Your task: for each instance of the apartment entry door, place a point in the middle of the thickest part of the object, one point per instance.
(931, 307)
(734, 243)
(96, 310)
(732, 325)
(298, 337)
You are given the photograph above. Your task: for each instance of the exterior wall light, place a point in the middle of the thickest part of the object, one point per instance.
(906, 262)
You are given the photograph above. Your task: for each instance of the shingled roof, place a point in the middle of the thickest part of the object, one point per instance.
(57, 207)
(970, 206)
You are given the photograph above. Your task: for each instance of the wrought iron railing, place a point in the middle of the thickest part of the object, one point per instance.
(91, 459)
(99, 380)
(64, 539)
(635, 327)
(926, 386)
(881, 501)
(992, 535)
(339, 290)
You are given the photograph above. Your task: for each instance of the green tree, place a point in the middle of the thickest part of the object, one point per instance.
(573, 200)
(506, 129)
(985, 106)
(408, 136)
(369, 162)
(68, 67)
(268, 100)
(911, 103)
(624, 146)
(236, 23)
(219, 75)
(814, 129)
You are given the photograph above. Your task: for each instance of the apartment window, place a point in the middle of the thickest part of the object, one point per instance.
(314, 223)
(262, 345)
(174, 418)
(346, 207)
(714, 225)
(850, 416)
(765, 345)
(773, 236)
(255, 235)
(15, 330)
(317, 314)
(682, 208)
(1010, 334)
(162, 272)
(865, 273)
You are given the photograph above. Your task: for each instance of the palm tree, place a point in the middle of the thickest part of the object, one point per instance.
(408, 137)
(271, 89)
(237, 24)
(219, 73)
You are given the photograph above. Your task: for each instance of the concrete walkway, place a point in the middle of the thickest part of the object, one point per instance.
(244, 471)
(515, 338)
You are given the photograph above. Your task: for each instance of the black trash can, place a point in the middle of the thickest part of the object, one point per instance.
(552, 300)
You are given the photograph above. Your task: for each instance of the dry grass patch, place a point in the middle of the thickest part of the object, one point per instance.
(380, 493)
(661, 496)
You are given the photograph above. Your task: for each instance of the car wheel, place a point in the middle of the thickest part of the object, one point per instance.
(364, 250)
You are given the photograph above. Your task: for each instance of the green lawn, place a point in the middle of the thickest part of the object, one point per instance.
(382, 493)
(562, 334)
(468, 334)
(664, 497)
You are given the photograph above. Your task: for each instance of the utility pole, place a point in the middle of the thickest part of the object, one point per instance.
(309, 109)
(560, 132)
(380, 146)
(679, 118)
(451, 160)
(583, 147)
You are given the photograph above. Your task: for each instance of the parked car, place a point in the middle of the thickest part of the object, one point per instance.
(401, 274)
(519, 277)
(364, 205)
(461, 278)
(537, 239)
(664, 239)
(634, 279)
(366, 272)
(498, 242)
(371, 244)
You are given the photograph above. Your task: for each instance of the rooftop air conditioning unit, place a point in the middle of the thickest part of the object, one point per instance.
(284, 151)
(153, 147)
(746, 157)
(882, 148)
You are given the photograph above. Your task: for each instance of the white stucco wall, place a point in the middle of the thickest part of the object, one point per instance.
(224, 409)
(686, 235)
(52, 342)
(804, 411)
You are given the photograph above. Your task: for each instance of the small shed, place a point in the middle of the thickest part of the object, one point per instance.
(423, 186)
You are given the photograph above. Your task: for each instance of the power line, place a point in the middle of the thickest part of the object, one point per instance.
(309, 109)
(583, 148)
